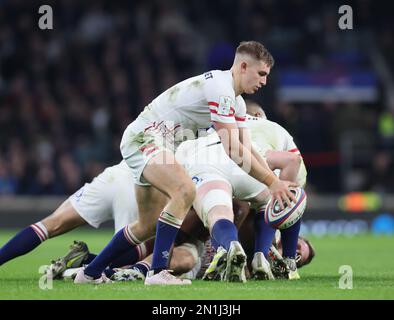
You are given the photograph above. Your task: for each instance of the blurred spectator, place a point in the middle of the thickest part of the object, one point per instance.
(7, 181)
(70, 174)
(67, 94)
(46, 182)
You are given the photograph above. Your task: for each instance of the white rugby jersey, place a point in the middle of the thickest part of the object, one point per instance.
(268, 135)
(205, 155)
(192, 105)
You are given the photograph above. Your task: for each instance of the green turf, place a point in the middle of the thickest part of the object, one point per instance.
(371, 259)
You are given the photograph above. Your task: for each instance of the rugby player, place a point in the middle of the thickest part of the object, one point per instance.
(193, 251)
(216, 177)
(149, 143)
(109, 196)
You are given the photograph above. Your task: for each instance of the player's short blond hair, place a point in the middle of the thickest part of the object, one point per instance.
(257, 51)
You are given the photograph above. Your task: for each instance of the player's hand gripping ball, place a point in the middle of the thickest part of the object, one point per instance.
(283, 219)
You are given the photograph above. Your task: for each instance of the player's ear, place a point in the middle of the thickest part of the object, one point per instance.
(244, 65)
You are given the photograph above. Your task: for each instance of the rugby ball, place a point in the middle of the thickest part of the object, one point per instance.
(283, 219)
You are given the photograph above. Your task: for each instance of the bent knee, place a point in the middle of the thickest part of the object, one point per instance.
(64, 219)
(143, 231)
(185, 193)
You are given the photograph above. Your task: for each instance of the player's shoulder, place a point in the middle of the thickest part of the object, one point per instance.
(263, 122)
(252, 118)
(216, 73)
(256, 121)
(240, 101)
(273, 124)
(120, 169)
(218, 87)
(222, 77)
(278, 128)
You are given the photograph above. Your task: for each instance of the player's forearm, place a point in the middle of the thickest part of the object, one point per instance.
(290, 171)
(260, 159)
(244, 138)
(243, 156)
(261, 173)
(288, 163)
(258, 169)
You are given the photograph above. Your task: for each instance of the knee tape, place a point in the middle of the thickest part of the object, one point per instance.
(216, 197)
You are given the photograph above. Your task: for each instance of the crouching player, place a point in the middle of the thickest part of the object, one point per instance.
(197, 250)
(109, 196)
(217, 179)
(193, 251)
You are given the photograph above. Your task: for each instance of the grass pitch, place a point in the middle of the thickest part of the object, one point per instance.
(370, 257)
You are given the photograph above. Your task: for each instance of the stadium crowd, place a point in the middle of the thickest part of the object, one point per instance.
(67, 94)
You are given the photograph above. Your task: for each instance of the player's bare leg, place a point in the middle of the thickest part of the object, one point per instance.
(64, 219)
(168, 176)
(150, 205)
(171, 179)
(164, 173)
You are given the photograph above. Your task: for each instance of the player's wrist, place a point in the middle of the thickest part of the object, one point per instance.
(271, 179)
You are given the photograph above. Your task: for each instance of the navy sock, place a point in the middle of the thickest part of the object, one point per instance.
(109, 272)
(142, 266)
(131, 256)
(263, 234)
(120, 243)
(289, 238)
(223, 232)
(90, 257)
(23, 242)
(214, 243)
(166, 230)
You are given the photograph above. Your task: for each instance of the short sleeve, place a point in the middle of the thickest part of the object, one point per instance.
(240, 112)
(290, 144)
(220, 97)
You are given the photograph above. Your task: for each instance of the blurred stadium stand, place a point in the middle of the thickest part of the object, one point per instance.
(67, 94)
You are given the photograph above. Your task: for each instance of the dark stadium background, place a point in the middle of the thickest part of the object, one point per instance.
(67, 94)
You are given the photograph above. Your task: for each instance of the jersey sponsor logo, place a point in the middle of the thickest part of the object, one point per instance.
(224, 108)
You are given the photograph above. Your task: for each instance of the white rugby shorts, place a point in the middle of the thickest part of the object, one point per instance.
(139, 148)
(110, 196)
